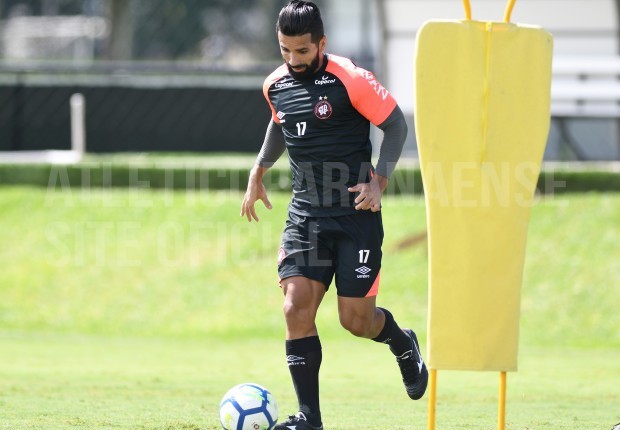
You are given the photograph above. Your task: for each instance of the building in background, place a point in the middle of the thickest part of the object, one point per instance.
(151, 46)
(585, 42)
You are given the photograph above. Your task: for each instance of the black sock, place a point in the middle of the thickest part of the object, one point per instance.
(393, 335)
(304, 358)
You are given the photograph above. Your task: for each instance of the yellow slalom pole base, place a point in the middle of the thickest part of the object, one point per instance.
(501, 421)
(432, 399)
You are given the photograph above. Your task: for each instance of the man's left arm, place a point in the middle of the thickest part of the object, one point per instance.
(394, 134)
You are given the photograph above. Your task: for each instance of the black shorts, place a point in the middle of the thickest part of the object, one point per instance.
(347, 246)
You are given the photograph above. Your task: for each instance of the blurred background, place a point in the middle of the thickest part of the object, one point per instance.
(186, 75)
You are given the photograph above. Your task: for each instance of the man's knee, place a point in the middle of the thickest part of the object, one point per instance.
(296, 312)
(301, 300)
(358, 325)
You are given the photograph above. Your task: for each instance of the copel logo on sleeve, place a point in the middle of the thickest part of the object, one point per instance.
(325, 80)
(284, 84)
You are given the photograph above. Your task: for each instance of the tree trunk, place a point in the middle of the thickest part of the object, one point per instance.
(121, 36)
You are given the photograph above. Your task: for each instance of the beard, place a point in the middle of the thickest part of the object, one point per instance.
(308, 69)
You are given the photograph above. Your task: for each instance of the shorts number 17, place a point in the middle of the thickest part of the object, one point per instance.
(364, 255)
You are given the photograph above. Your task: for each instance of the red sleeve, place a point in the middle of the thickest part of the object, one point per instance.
(272, 79)
(367, 95)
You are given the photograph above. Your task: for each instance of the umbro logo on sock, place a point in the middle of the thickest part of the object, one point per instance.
(294, 360)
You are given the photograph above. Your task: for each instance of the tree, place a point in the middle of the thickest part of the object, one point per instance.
(120, 45)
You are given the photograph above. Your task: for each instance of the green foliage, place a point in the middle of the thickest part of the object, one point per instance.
(578, 181)
(183, 175)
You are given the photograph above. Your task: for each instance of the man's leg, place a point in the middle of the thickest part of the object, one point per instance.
(302, 297)
(357, 281)
(362, 318)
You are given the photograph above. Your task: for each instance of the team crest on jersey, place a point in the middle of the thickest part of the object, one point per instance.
(323, 109)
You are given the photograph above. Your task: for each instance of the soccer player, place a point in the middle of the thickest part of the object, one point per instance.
(322, 106)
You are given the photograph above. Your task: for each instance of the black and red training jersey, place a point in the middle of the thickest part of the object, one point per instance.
(326, 120)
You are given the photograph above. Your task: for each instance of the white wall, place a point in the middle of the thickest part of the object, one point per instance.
(580, 27)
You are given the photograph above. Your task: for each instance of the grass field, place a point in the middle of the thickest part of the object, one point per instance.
(138, 309)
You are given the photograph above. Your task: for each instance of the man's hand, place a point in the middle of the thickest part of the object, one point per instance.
(255, 191)
(370, 193)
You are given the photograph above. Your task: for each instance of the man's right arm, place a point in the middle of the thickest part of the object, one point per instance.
(273, 147)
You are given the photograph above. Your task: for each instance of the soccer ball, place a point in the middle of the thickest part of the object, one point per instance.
(248, 407)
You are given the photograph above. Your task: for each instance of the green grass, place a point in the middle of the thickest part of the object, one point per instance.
(138, 309)
(92, 382)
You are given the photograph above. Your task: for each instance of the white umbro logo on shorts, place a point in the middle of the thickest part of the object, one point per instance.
(363, 270)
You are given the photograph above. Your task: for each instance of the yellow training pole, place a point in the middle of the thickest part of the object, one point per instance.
(501, 422)
(467, 7)
(432, 399)
(508, 12)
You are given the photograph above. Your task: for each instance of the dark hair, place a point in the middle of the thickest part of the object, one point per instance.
(301, 17)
